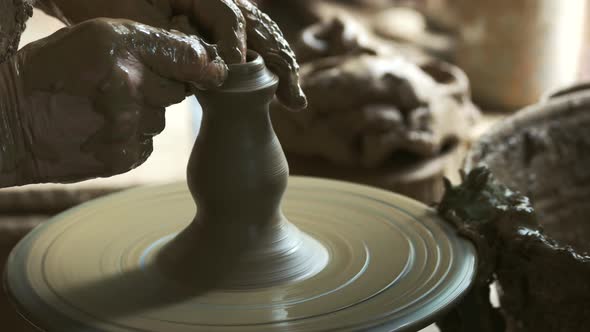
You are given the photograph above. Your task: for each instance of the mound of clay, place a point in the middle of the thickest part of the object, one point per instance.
(540, 258)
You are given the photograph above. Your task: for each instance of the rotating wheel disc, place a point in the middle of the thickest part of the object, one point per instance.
(389, 264)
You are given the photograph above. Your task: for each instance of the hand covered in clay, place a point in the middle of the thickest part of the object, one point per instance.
(233, 25)
(86, 101)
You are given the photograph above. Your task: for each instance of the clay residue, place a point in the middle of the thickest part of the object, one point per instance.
(365, 109)
(220, 22)
(366, 106)
(544, 154)
(265, 37)
(13, 17)
(338, 36)
(544, 284)
(234, 26)
(71, 129)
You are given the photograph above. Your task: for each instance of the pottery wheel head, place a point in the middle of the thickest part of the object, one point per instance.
(366, 260)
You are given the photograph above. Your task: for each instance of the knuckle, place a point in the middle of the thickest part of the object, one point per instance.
(104, 35)
(125, 81)
(97, 27)
(191, 52)
(127, 120)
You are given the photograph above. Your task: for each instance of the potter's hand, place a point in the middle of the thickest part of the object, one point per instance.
(234, 25)
(86, 101)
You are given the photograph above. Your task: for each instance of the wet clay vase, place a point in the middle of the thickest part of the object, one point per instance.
(261, 251)
(237, 174)
(542, 260)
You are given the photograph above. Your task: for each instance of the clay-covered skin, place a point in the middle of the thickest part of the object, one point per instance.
(265, 37)
(86, 101)
(363, 109)
(13, 16)
(233, 25)
(543, 285)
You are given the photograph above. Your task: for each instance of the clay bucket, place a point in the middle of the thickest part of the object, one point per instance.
(544, 152)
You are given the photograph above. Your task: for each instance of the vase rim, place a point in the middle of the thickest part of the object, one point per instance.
(252, 75)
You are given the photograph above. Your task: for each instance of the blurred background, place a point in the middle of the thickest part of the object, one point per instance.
(512, 53)
(499, 56)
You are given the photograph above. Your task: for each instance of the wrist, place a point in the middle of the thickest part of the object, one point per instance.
(14, 155)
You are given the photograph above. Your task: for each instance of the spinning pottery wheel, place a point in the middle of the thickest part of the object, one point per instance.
(327, 256)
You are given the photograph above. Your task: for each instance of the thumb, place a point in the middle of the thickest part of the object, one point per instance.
(176, 56)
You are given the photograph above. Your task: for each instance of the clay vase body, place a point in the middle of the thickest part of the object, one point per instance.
(237, 169)
(237, 174)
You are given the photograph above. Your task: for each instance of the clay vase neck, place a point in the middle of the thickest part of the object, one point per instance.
(237, 174)
(237, 171)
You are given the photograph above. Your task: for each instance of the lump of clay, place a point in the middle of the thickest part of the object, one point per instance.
(543, 285)
(364, 109)
(338, 36)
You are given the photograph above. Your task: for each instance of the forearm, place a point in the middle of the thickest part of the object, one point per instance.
(14, 156)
